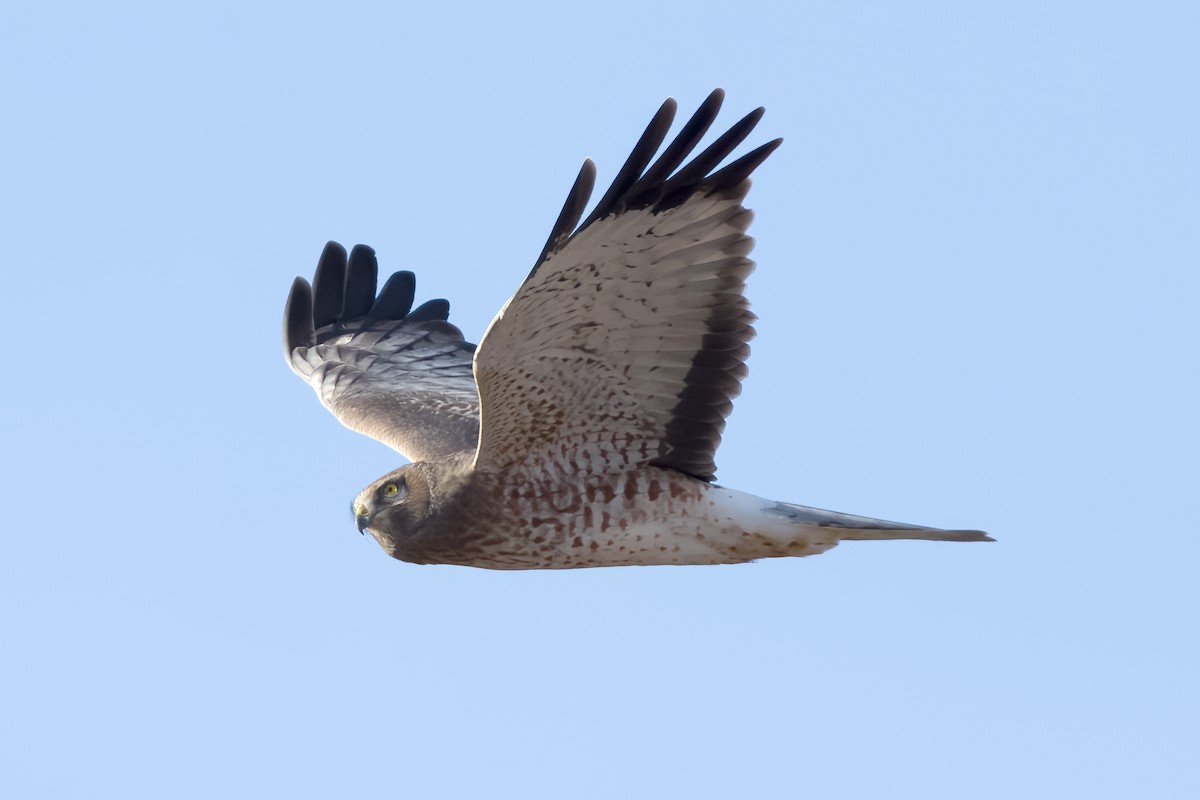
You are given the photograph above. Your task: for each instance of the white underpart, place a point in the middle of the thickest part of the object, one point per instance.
(721, 526)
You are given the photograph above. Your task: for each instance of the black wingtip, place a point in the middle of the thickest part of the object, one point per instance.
(396, 298)
(572, 210)
(362, 274)
(298, 328)
(660, 187)
(731, 176)
(648, 189)
(430, 310)
(700, 166)
(329, 285)
(651, 139)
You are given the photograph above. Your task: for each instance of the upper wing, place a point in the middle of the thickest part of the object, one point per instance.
(398, 375)
(628, 340)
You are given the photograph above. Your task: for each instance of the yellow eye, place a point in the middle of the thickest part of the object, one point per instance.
(390, 489)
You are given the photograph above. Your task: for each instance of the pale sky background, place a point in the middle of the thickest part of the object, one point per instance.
(977, 286)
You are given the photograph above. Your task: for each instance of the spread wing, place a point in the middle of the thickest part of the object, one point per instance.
(399, 375)
(628, 340)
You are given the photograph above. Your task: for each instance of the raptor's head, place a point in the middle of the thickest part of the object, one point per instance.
(394, 506)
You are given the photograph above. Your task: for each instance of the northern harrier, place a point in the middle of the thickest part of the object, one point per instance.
(582, 431)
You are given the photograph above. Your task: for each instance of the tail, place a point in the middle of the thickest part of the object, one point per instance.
(851, 528)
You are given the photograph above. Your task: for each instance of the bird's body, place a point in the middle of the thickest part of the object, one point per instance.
(582, 432)
(568, 516)
(572, 517)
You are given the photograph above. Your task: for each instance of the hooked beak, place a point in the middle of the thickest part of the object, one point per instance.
(362, 518)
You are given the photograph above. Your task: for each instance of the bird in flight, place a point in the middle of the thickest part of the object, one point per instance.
(582, 430)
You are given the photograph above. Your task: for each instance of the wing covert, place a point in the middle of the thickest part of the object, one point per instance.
(397, 374)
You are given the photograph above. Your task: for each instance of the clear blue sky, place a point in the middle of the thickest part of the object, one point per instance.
(977, 286)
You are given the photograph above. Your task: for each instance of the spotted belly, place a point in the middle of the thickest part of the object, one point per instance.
(645, 516)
